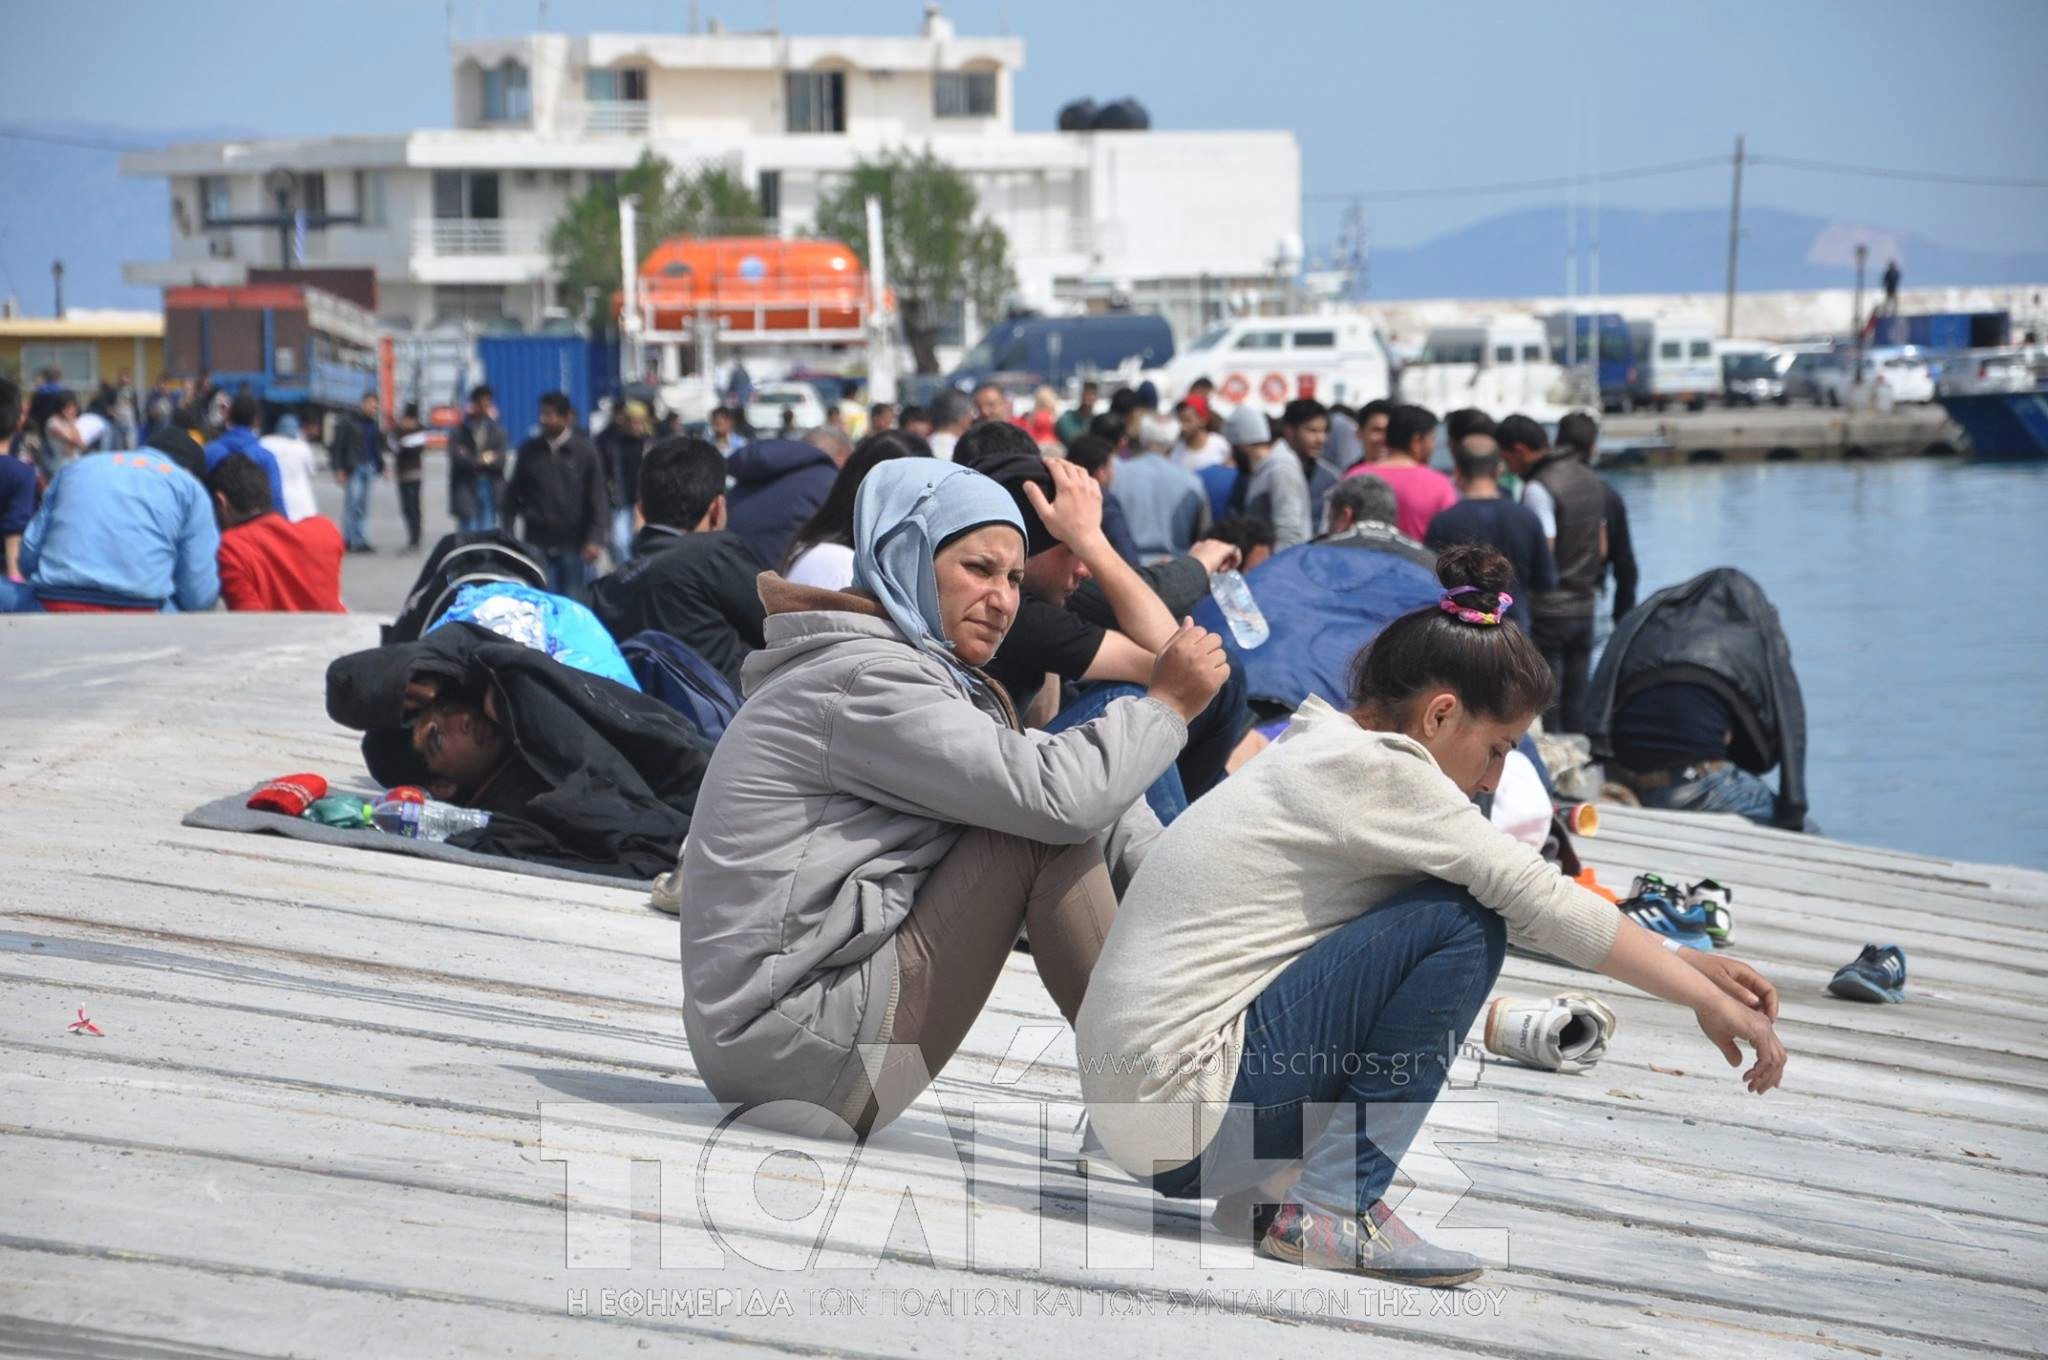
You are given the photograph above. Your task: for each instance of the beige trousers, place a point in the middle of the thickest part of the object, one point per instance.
(964, 923)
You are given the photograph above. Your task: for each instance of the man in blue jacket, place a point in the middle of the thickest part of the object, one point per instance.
(242, 436)
(128, 532)
(777, 483)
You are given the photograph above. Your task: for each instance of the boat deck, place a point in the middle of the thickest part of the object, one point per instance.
(339, 1099)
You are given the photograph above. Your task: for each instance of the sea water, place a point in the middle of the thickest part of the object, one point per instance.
(1915, 597)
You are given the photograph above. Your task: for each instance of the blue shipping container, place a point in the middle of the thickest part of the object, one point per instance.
(520, 368)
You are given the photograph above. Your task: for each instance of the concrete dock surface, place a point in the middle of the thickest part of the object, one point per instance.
(348, 1104)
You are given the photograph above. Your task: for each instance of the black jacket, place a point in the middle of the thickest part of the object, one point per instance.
(619, 770)
(476, 448)
(559, 495)
(1717, 630)
(1621, 551)
(700, 589)
(351, 448)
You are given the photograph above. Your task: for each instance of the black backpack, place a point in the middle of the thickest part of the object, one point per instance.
(460, 560)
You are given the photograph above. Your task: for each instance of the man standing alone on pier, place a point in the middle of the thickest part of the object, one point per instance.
(1572, 509)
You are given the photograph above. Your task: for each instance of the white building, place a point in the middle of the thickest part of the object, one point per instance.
(455, 222)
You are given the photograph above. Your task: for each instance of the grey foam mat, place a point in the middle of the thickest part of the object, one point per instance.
(232, 813)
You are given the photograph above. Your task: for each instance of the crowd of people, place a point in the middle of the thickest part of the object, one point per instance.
(968, 701)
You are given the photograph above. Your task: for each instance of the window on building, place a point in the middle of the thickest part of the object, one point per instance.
(484, 302)
(79, 363)
(466, 194)
(371, 197)
(815, 100)
(964, 94)
(615, 87)
(771, 194)
(507, 97)
(312, 192)
(215, 203)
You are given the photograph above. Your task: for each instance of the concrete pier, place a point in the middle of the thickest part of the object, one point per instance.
(1770, 434)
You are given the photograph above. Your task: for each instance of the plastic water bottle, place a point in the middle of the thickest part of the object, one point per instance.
(1240, 610)
(428, 821)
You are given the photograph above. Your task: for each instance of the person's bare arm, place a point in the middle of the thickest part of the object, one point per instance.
(13, 556)
(1119, 658)
(1074, 516)
(1730, 999)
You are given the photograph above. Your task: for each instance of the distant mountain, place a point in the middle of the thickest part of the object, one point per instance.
(71, 202)
(1521, 254)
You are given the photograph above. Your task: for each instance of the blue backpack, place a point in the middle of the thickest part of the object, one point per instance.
(670, 671)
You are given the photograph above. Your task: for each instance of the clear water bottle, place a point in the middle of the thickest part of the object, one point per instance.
(428, 821)
(1240, 610)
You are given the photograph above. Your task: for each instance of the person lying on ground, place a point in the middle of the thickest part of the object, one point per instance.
(1696, 699)
(268, 562)
(1339, 948)
(129, 532)
(574, 769)
(1061, 508)
(690, 576)
(874, 828)
(821, 551)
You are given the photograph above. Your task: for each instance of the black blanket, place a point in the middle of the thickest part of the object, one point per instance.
(621, 769)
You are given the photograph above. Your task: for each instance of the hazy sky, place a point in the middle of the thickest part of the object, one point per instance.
(1383, 95)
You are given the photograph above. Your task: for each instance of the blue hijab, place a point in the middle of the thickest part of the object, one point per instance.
(905, 509)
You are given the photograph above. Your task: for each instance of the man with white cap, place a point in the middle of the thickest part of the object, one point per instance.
(1274, 489)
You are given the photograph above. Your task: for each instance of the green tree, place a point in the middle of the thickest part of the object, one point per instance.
(939, 251)
(585, 238)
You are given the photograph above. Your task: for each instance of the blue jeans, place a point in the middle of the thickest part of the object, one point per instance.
(568, 574)
(1167, 797)
(355, 508)
(1729, 789)
(1369, 1018)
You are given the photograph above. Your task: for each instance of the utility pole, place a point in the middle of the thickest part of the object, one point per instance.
(1856, 307)
(57, 280)
(1734, 238)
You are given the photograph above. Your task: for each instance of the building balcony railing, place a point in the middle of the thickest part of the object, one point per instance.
(626, 116)
(475, 236)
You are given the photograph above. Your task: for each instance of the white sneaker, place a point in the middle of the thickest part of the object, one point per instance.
(1566, 1033)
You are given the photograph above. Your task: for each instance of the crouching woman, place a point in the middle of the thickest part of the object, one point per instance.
(874, 827)
(1270, 1025)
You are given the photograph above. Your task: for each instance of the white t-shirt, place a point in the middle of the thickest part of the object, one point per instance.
(1214, 451)
(1537, 497)
(828, 566)
(295, 470)
(942, 445)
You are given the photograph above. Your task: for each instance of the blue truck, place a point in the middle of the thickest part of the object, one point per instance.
(1614, 360)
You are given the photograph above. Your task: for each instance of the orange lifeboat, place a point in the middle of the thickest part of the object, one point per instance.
(757, 284)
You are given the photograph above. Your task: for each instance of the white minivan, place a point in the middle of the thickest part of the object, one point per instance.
(1268, 361)
(1502, 366)
(1674, 363)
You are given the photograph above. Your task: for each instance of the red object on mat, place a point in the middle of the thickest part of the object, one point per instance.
(289, 794)
(406, 793)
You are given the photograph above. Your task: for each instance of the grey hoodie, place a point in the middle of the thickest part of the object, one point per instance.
(849, 773)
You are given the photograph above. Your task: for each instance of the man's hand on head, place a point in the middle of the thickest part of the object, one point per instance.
(1074, 514)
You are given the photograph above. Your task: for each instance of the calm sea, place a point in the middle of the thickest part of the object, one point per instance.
(1915, 595)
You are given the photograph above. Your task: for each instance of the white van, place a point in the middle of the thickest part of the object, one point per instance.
(1502, 367)
(1674, 362)
(1270, 360)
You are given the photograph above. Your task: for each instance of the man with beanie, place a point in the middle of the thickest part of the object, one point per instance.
(1273, 486)
(1061, 506)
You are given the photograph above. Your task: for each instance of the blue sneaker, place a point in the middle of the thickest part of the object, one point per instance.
(1661, 907)
(1715, 901)
(1877, 975)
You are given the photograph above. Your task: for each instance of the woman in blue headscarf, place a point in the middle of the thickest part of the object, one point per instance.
(875, 828)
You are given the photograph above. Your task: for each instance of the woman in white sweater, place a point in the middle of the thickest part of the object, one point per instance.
(1319, 931)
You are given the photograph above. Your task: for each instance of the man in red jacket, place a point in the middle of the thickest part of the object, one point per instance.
(268, 562)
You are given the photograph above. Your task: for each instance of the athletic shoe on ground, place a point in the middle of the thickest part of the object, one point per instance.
(1714, 899)
(1565, 1033)
(1877, 975)
(1658, 906)
(1375, 1243)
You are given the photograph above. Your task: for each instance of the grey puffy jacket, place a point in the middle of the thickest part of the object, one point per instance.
(849, 773)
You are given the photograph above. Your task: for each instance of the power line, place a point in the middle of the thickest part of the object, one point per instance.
(1516, 186)
(1878, 172)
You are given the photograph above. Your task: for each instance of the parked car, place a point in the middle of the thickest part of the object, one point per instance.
(1811, 375)
(1887, 377)
(1968, 374)
(765, 408)
(1750, 372)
